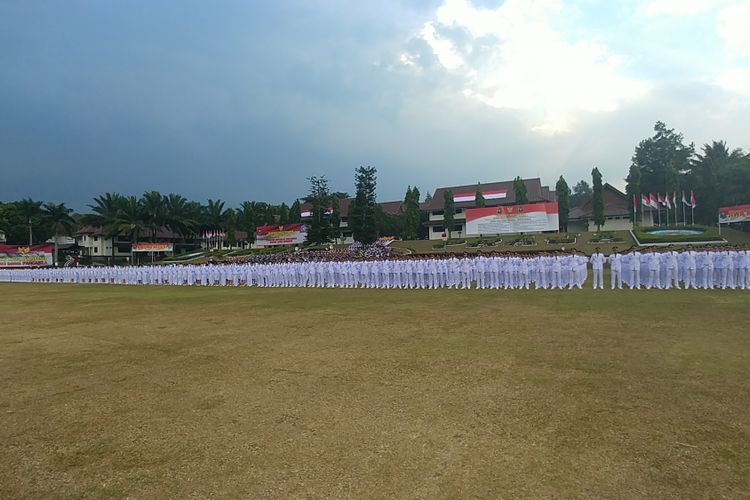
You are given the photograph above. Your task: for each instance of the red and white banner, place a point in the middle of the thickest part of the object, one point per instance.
(153, 247)
(737, 213)
(25, 255)
(529, 218)
(487, 195)
(289, 234)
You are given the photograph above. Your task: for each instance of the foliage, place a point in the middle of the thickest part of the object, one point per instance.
(411, 214)
(362, 215)
(581, 191)
(320, 223)
(335, 218)
(519, 186)
(633, 188)
(479, 200)
(563, 202)
(449, 212)
(598, 200)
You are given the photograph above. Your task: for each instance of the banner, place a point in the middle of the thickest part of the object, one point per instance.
(487, 195)
(738, 213)
(153, 247)
(25, 255)
(529, 218)
(290, 234)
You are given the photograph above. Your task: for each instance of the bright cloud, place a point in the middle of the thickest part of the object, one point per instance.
(515, 59)
(735, 80)
(732, 27)
(678, 7)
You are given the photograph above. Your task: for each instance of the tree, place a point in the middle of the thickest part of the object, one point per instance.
(335, 218)
(178, 217)
(479, 201)
(520, 188)
(154, 212)
(246, 219)
(130, 220)
(31, 210)
(720, 177)
(411, 214)
(563, 202)
(60, 218)
(105, 210)
(215, 217)
(362, 215)
(662, 157)
(283, 214)
(581, 192)
(427, 197)
(449, 211)
(295, 213)
(633, 189)
(320, 222)
(598, 205)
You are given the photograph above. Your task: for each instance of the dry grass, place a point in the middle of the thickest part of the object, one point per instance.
(174, 392)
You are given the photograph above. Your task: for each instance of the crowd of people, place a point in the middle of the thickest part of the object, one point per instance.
(707, 268)
(355, 251)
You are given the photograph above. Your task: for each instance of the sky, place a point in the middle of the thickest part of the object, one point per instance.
(245, 100)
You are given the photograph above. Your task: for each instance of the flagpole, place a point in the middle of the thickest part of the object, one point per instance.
(684, 220)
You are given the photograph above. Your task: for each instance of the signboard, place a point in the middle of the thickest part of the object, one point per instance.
(153, 247)
(289, 234)
(25, 255)
(529, 218)
(738, 213)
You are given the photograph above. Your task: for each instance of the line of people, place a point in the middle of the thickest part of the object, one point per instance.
(708, 268)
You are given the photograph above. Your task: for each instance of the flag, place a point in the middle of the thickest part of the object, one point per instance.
(692, 199)
(635, 204)
(653, 202)
(660, 200)
(644, 200)
(667, 202)
(674, 199)
(684, 200)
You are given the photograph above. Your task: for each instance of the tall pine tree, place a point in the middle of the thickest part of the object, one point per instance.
(520, 188)
(362, 218)
(563, 202)
(449, 211)
(633, 188)
(479, 201)
(598, 200)
(320, 222)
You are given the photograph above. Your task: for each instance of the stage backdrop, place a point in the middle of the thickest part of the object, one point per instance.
(529, 218)
(289, 234)
(738, 213)
(25, 255)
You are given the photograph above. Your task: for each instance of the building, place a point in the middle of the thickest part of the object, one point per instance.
(616, 213)
(388, 207)
(97, 246)
(494, 193)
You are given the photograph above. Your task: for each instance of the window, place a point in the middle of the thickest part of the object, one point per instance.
(347, 234)
(438, 229)
(459, 210)
(96, 238)
(96, 249)
(437, 212)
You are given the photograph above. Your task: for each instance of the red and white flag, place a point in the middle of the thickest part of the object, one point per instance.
(653, 202)
(659, 199)
(667, 202)
(684, 200)
(692, 199)
(644, 200)
(674, 199)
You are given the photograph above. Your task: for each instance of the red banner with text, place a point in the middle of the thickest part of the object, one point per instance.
(25, 255)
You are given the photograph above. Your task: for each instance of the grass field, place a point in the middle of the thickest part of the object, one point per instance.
(170, 392)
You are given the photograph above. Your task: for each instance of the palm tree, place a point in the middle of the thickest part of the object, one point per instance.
(105, 209)
(130, 220)
(59, 216)
(215, 215)
(30, 209)
(179, 217)
(154, 211)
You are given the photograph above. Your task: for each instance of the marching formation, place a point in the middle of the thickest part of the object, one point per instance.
(650, 269)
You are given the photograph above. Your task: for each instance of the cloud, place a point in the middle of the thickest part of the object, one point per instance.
(735, 80)
(678, 7)
(512, 57)
(732, 27)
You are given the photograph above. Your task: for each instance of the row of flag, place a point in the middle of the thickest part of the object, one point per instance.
(214, 234)
(657, 200)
